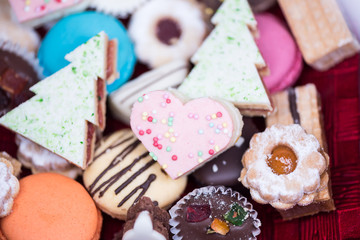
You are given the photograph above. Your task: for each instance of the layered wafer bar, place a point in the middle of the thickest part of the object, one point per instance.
(302, 105)
(320, 31)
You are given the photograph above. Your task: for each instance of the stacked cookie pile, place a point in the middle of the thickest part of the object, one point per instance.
(211, 98)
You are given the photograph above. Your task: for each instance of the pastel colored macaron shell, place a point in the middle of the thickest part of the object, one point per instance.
(74, 30)
(280, 52)
(51, 206)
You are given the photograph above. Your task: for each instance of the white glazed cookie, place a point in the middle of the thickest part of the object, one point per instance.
(39, 159)
(167, 76)
(122, 172)
(118, 8)
(165, 30)
(284, 166)
(9, 187)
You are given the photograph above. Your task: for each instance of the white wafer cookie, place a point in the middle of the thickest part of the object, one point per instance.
(168, 76)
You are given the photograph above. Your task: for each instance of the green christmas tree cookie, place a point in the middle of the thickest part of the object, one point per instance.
(68, 105)
(228, 62)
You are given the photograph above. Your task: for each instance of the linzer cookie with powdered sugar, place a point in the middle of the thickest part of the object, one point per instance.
(123, 172)
(214, 213)
(287, 168)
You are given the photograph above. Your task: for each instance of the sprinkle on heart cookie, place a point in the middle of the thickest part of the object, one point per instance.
(183, 136)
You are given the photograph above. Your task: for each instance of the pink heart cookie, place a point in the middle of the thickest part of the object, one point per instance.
(183, 136)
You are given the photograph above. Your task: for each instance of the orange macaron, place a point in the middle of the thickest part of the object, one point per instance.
(51, 206)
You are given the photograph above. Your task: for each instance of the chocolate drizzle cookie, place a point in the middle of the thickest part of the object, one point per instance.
(123, 172)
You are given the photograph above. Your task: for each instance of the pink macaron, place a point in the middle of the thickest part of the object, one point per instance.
(280, 52)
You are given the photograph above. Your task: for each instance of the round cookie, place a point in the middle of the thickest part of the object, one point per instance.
(164, 31)
(76, 29)
(285, 166)
(122, 172)
(51, 206)
(224, 169)
(280, 52)
(39, 159)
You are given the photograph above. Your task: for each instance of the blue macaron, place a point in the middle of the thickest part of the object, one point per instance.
(73, 30)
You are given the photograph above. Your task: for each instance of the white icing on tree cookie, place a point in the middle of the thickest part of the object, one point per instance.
(56, 116)
(143, 229)
(227, 61)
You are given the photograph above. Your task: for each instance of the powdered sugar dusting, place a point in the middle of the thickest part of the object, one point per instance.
(9, 187)
(265, 185)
